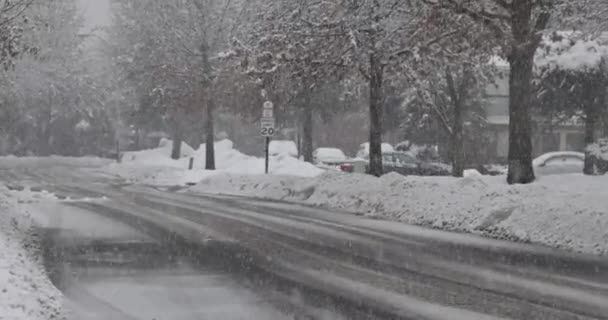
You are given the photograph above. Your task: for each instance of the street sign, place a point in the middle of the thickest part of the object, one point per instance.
(267, 123)
(268, 127)
(268, 120)
(268, 113)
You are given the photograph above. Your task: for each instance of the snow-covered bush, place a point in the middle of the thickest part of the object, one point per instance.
(599, 155)
(283, 147)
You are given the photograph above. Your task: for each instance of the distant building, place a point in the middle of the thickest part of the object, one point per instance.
(546, 137)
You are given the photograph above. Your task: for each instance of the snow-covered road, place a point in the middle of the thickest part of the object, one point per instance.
(109, 270)
(362, 268)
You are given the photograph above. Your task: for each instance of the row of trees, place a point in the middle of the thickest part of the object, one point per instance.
(291, 52)
(205, 54)
(427, 45)
(50, 100)
(173, 60)
(179, 65)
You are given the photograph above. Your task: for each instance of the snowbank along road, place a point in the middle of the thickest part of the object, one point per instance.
(313, 263)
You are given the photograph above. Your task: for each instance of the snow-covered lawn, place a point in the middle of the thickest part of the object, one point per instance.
(562, 211)
(26, 293)
(155, 167)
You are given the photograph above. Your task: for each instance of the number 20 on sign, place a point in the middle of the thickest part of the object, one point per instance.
(267, 125)
(268, 132)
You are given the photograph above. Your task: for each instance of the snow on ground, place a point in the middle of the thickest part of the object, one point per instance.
(155, 167)
(283, 147)
(25, 290)
(87, 162)
(562, 211)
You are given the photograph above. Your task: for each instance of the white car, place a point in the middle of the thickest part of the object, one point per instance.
(363, 152)
(559, 163)
(328, 156)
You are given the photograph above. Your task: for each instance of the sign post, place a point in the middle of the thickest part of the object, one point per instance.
(267, 154)
(117, 150)
(267, 129)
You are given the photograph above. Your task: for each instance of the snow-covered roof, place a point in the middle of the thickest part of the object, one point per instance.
(543, 158)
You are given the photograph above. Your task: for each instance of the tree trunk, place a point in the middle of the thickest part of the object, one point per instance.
(595, 95)
(138, 134)
(307, 143)
(299, 142)
(590, 124)
(457, 141)
(210, 134)
(526, 31)
(44, 140)
(458, 97)
(176, 149)
(376, 102)
(520, 124)
(208, 90)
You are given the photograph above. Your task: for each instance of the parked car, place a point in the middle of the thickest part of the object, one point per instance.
(422, 152)
(332, 158)
(562, 162)
(406, 163)
(434, 168)
(363, 152)
(401, 162)
(328, 156)
(493, 169)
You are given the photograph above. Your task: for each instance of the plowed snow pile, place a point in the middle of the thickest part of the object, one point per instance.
(563, 211)
(26, 293)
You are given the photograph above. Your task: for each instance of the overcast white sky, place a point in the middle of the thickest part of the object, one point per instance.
(97, 12)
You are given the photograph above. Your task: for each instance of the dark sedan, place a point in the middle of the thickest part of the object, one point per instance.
(407, 164)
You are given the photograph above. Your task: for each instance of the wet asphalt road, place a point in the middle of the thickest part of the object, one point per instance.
(319, 263)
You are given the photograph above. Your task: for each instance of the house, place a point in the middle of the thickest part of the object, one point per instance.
(546, 135)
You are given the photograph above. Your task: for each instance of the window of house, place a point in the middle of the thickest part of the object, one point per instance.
(575, 142)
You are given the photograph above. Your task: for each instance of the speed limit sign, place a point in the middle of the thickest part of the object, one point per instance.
(268, 129)
(268, 120)
(267, 132)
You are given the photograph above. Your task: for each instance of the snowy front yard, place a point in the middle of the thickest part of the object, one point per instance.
(26, 293)
(156, 168)
(562, 211)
